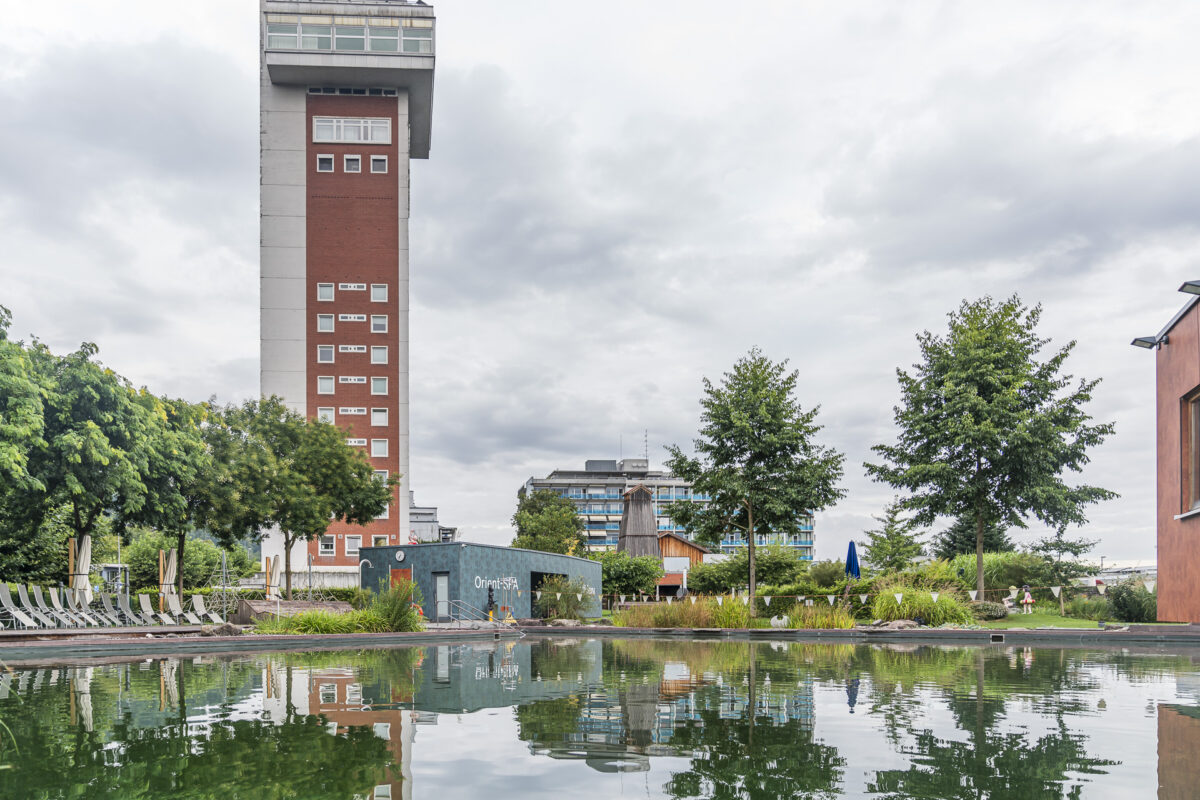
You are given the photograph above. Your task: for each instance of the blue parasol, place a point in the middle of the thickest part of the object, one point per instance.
(852, 561)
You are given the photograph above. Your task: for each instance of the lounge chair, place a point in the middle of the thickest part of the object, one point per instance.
(16, 615)
(45, 620)
(144, 600)
(67, 620)
(84, 619)
(127, 610)
(79, 608)
(179, 611)
(106, 602)
(202, 610)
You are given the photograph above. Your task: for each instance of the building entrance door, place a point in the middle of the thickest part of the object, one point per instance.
(441, 594)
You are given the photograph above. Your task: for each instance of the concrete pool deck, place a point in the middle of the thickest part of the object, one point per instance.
(19, 648)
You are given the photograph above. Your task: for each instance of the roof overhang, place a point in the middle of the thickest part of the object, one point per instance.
(413, 73)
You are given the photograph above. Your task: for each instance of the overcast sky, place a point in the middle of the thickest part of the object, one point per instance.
(624, 197)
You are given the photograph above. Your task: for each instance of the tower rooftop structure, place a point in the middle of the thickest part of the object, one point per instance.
(361, 44)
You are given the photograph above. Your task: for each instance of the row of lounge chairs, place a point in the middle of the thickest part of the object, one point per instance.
(22, 612)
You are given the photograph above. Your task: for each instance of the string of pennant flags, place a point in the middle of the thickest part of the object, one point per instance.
(831, 598)
(862, 598)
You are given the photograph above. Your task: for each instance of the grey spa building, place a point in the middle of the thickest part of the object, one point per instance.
(454, 577)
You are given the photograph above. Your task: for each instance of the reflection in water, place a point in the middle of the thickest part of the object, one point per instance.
(686, 719)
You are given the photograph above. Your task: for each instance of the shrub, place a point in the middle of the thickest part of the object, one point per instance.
(731, 613)
(1002, 570)
(986, 610)
(773, 564)
(626, 574)
(1130, 602)
(827, 573)
(397, 607)
(916, 604)
(389, 610)
(561, 599)
(821, 616)
(667, 615)
(1083, 607)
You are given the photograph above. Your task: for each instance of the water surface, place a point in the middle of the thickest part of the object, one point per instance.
(610, 718)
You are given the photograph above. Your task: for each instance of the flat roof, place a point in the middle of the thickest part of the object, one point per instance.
(476, 544)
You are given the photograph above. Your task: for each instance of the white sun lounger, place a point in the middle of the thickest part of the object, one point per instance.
(67, 620)
(19, 617)
(84, 619)
(144, 600)
(202, 610)
(119, 616)
(85, 612)
(178, 611)
(45, 620)
(127, 610)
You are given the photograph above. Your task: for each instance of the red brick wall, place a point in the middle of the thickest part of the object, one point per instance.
(1178, 374)
(353, 237)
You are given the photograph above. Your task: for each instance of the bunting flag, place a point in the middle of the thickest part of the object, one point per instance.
(1057, 590)
(720, 601)
(622, 598)
(518, 592)
(974, 593)
(934, 595)
(693, 599)
(579, 597)
(862, 598)
(669, 599)
(539, 595)
(558, 595)
(1101, 588)
(745, 600)
(899, 597)
(800, 597)
(808, 602)
(829, 597)
(643, 598)
(767, 600)
(1150, 586)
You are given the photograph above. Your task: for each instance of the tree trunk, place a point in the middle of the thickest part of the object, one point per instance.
(979, 552)
(179, 566)
(750, 551)
(287, 569)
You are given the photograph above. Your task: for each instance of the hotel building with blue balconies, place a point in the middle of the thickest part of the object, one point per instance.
(598, 492)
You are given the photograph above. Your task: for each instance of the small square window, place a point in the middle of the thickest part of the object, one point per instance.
(381, 475)
(379, 292)
(324, 354)
(378, 164)
(379, 354)
(325, 384)
(327, 546)
(328, 690)
(378, 385)
(325, 292)
(324, 323)
(379, 417)
(352, 163)
(387, 512)
(379, 541)
(325, 415)
(325, 163)
(379, 448)
(378, 323)
(353, 544)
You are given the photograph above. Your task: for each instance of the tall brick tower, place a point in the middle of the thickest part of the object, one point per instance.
(346, 101)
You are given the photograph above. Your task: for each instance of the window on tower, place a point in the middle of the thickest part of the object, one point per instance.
(379, 292)
(352, 129)
(325, 292)
(325, 163)
(325, 384)
(379, 386)
(379, 164)
(324, 354)
(378, 323)
(324, 323)
(379, 355)
(353, 164)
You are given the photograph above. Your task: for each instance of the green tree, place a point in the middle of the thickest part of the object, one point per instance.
(987, 428)
(775, 565)
(546, 521)
(21, 423)
(757, 459)
(295, 474)
(204, 560)
(622, 573)
(961, 537)
(893, 546)
(1055, 548)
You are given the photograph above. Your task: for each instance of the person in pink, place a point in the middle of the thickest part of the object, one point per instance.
(1027, 600)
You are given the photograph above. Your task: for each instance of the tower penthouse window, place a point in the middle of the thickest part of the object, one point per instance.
(352, 129)
(412, 35)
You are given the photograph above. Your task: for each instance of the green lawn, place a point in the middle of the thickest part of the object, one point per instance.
(1039, 620)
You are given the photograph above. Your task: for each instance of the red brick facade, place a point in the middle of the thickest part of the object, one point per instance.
(353, 238)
